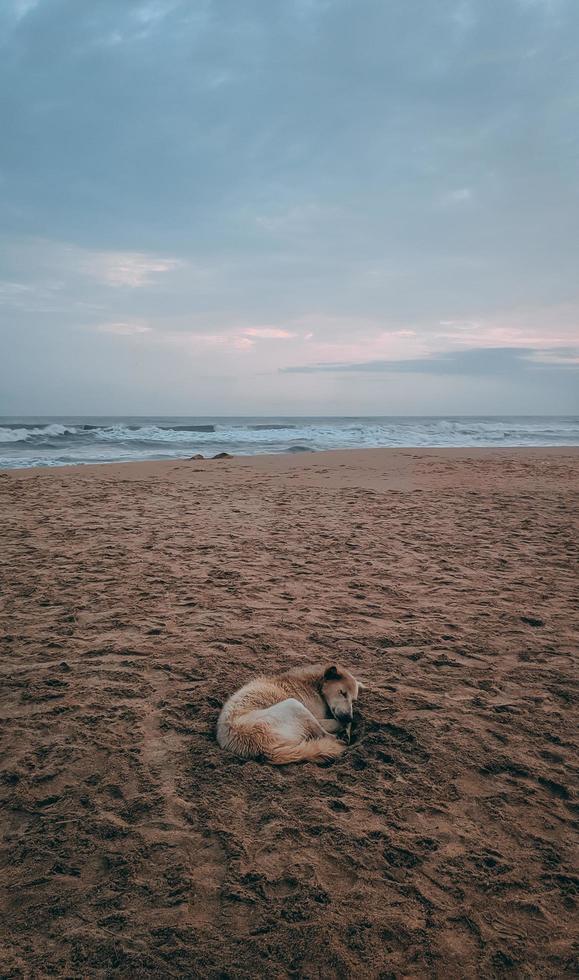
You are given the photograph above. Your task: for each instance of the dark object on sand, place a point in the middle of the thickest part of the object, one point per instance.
(223, 456)
(532, 621)
(197, 456)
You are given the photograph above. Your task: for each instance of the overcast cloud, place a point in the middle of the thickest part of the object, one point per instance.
(289, 206)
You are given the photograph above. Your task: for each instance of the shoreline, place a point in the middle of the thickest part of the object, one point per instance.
(92, 441)
(292, 460)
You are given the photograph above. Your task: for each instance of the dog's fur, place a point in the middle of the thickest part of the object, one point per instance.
(290, 717)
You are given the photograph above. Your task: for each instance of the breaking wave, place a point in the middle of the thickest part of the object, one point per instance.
(53, 442)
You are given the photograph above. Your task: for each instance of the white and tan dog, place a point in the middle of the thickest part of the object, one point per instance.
(286, 717)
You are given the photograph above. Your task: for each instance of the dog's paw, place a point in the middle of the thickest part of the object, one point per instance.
(334, 748)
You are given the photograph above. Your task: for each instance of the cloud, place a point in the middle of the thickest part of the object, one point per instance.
(268, 333)
(480, 361)
(124, 269)
(292, 181)
(45, 296)
(158, 335)
(464, 17)
(462, 195)
(23, 7)
(54, 264)
(547, 6)
(539, 328)
(124, 329)
(564, 356)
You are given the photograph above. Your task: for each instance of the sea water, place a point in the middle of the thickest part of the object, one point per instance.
(57, 441)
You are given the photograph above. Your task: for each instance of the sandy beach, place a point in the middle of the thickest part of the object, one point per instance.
(136, 597)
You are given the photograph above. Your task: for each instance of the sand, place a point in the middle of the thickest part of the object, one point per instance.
(136, 597)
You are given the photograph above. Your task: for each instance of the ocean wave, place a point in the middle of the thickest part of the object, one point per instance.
(52, 443)
(191, 428)
(26, 433)
(47, 434)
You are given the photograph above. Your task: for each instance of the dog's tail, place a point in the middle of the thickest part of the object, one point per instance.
(310, 750)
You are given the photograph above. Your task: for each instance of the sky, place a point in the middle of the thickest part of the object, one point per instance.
(289, 207)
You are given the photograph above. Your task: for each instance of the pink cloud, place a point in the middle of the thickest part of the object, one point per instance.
(267, 333)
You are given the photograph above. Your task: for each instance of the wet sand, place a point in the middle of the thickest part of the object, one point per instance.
(136, 597)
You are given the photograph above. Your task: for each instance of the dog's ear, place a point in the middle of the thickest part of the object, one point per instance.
(332, 673)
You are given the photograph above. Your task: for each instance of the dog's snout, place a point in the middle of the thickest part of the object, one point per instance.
(345, 717)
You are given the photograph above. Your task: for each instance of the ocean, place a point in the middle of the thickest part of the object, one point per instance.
(60, 441)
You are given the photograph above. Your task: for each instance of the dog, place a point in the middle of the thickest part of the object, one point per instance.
(290, 717)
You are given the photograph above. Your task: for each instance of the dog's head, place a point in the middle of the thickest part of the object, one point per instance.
(339, 690)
